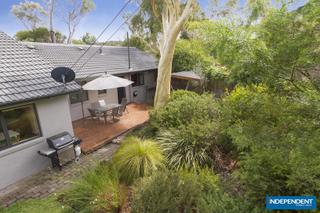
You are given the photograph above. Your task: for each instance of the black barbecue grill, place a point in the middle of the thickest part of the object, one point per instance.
(61, 149)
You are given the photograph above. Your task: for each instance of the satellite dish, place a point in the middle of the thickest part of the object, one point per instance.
(63, 75)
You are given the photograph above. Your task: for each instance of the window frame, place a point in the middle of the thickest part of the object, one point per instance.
(5, 130)
(84, 97)
(81, 92)
(138, 83)
(102, 92)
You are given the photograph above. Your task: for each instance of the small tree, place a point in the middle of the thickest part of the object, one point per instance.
(40, 34)
(29, 13)
(88, 38)
(76, 10)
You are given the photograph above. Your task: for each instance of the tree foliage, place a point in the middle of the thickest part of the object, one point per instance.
(183, 191)
(278, 138)
(136, 41)
(74, 11)
(279, 51)
(88, 38)
(40, 34)
(190, 55)
(29, 13)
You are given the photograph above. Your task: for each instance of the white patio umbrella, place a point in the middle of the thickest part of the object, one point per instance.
(106, 81)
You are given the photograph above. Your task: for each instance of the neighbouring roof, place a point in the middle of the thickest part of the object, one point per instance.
(24, 75)
(112, 59)
(186, 75)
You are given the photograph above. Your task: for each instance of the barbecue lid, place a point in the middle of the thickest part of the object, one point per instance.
(60, 139)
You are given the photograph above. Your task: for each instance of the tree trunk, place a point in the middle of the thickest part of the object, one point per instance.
(164, 70)
(50, 15)
(71, 33)
(172, 23)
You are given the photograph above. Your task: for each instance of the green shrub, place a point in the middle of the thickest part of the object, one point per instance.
(278, 137)
(98, 190)
(189, 146)
(190, 55)
(146, 132)
(183, 108)
(182, 191)
(188, 128)
(137, 158)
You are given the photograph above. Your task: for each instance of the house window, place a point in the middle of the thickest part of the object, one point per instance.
(138, 79)
(3, 141)
(101, 92)
(76, 97)
(18, 125)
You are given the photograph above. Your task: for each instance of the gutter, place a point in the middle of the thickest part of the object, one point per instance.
(37, 98)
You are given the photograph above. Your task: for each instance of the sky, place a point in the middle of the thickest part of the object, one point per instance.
(93, 22)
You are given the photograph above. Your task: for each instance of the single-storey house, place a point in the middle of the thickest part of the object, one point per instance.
(135, 65)
(34, 107)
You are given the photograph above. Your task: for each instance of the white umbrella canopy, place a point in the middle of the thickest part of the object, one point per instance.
(107, 81)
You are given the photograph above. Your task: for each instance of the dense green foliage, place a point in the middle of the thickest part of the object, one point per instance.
(183, 108)
(282, 50)
(278, 137)
(38, 206)
(190, 55)
(88, 38)
(135, 41)
(182, 191)
(187, 129)
(97, 190)
(40, 34)
(137, 158)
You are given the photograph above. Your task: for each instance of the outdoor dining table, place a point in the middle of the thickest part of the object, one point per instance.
(105, 109)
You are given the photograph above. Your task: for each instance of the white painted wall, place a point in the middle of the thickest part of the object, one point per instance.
(76, 109)
(23, 160)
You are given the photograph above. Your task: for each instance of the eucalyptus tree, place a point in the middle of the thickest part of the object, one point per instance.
(72, 13)
(160, 22)
(29, 13)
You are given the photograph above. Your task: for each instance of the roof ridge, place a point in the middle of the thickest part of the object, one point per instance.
(69, 45)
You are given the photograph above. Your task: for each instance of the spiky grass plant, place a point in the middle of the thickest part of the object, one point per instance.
(98, 190)
(137, 158)
(188, 147)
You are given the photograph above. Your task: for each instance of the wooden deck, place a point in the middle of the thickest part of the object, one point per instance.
(94, 134)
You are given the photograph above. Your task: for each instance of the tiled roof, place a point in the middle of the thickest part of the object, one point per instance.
(24, 75)
(113, 60)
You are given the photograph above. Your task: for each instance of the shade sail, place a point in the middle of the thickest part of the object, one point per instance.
(106, 81)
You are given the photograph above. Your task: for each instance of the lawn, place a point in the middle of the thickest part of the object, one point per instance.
(37, 206)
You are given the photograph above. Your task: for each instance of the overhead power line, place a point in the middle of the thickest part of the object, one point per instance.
(120, 26)
(103, 31)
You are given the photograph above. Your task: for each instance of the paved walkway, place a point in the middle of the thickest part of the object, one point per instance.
(48, 181)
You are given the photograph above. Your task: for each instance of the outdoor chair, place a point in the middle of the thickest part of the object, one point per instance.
(102, 103)
(123, 106)
(96, 115)
(113, 113)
